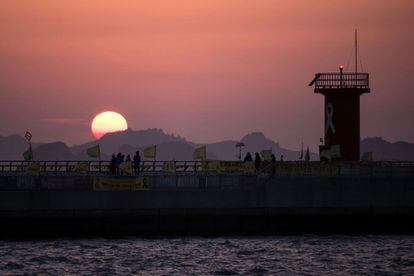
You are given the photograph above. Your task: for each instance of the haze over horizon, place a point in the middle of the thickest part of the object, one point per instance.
(206, 70)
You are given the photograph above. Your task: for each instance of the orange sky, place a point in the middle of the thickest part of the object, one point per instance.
(207, 70)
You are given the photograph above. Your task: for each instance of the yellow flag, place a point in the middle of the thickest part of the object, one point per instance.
(325, 155)
(335, 151)
(28, 154)
(200, 153)
(150, 152)
(94, 152)
(266, 154)
(367, 156)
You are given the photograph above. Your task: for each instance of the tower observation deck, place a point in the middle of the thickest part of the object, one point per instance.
(348, 82)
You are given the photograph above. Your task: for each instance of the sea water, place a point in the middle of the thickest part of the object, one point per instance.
(285, 255)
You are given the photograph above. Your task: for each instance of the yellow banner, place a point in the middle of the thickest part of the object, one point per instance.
(228, 166)
(305, 169)
(231, 166)
(120, 184)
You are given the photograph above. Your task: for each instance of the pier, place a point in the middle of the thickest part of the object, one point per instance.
(298, 197)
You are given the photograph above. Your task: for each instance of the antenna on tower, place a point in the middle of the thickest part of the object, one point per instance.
(356, 51)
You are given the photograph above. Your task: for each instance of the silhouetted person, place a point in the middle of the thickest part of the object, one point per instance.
(128, 159)
(248, 158)
(281, 158)
(137, 162)
(257, 162)
(112, 166)
(119, 161)
(273, 164)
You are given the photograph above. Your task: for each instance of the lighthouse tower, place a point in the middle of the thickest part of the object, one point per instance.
(342, 117)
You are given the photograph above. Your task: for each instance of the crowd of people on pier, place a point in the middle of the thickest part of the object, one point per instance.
(119, 159)
(261, 163)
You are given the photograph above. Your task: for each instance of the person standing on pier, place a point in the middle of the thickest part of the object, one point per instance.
(137, 162)
(112, 166)
(119, 161)
(128, 158)
(257, 162)
(248, 158)
(273, 164)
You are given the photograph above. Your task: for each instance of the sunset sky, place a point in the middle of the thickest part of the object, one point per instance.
(207, 70)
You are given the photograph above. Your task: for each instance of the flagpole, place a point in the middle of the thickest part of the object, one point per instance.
(28, 137)
(155, 157)
(99, 158)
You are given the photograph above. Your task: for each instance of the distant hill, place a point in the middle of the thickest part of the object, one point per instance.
(384, 150)
(53, 151)
(12, 147)
(175, 147)
(225, 150)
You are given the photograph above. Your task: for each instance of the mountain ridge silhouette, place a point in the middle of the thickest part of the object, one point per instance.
(170, 146)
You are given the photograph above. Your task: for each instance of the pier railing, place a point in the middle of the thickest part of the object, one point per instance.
(287, 168)
(96, 166)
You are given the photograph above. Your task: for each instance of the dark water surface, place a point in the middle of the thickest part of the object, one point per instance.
(306, 254)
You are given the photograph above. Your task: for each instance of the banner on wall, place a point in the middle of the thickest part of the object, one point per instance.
(120, 184)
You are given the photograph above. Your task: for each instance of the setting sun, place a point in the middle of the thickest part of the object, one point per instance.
(107, 122)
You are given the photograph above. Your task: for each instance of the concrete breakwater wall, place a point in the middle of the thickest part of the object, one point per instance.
(206, 203)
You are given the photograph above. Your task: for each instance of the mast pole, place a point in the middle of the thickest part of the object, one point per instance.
(356, 51)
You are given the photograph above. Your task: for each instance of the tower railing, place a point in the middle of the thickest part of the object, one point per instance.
(341, 81)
